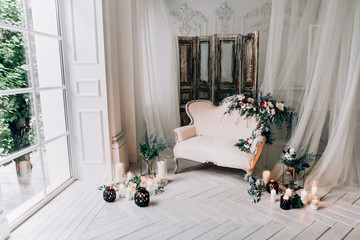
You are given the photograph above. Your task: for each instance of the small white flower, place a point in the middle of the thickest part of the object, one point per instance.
(250, 141)
(240, 96)
(291, 150)
(273, 111)
(271, 105)
(246, 146)
(280, 106)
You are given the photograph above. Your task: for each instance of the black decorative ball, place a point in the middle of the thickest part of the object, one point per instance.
(272, 184)
(109, 194)
(142, 197)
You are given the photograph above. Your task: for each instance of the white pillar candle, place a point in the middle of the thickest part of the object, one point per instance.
(314, 188)
(304, 197)
(119, 171)
(273, 195)
(143, 182)
(315, 203)
(150, 186)
(129, 193)
(122, 190)
(288, 192)
(266, 176)
(162, 169)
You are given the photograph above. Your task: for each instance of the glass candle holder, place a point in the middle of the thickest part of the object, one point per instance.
(285, 202)
(272, 184)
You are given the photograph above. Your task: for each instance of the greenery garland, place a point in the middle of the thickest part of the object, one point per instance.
(267, 111)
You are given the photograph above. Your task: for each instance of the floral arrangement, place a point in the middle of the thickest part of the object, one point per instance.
(267, 111)
(298, 163)
(255, 189)
(151, 146)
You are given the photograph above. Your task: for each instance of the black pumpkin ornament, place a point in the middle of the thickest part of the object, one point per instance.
(109, 194)
(142, 197)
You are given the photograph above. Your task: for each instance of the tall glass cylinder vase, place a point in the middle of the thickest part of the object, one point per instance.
(147, 166)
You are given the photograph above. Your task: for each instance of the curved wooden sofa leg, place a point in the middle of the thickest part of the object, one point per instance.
(176, 164)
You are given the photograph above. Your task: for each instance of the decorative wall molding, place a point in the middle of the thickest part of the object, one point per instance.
(258, 19)
(88, 87)
(84, 40)
(120, 151)
(224, 19)
(92, 142)
(188, 22)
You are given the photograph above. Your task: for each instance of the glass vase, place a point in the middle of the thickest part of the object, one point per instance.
(292, 178)
(148, 167)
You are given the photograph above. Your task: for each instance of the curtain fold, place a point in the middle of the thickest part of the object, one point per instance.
(155, 68)
(318, 74)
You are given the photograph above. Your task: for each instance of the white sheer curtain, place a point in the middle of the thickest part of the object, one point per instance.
(155, 68)
(320, 71)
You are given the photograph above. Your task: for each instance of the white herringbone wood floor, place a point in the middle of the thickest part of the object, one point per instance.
(202, 202)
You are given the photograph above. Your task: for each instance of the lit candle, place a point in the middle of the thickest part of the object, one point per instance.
(266, 176)
(150, 186)
(119, 171)
(129, 175)
(273, 195)
(162, 169)
(315, 203)
(314, 189)
(288, 192)
(143, 182)
(304, 197)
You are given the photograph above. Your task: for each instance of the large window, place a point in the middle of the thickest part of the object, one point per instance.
(34, 135)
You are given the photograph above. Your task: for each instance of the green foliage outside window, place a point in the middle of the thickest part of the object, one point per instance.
(15, 110)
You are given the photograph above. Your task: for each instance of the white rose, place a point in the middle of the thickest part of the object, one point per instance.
(280, 106)
(292, 150)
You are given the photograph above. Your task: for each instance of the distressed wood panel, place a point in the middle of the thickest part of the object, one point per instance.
(249, 79)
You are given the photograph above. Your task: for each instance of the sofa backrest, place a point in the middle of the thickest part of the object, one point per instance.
(209, 120)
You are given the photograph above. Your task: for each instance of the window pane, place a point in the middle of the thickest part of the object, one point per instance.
(13, 60)
(51, 113)
(56, 161)
(42, 16)
(12, 12)
(47, 61)
(21, 184)
(17, 128)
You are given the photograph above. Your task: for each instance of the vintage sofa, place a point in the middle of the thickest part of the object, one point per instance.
(211, 135)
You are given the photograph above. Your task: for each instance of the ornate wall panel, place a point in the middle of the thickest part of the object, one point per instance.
(188, 22)
(224, 19)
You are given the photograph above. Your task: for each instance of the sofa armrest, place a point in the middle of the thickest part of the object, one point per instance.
(255, 144)
(185, 132)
